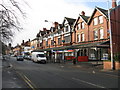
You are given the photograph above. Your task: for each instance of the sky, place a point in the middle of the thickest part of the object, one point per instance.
(37, 11)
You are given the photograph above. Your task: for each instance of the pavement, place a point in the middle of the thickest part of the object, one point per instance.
(94, 66)
(10, 78)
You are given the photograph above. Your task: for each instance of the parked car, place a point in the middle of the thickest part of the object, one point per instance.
(20, 58)
(27, 57)
(39, 57)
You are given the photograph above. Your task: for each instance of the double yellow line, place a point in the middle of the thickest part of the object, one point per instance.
(28, 81)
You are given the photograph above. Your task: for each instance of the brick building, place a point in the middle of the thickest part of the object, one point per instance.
(115, 27)
(85, 36)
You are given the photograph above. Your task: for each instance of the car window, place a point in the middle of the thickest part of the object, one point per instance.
(40, 55)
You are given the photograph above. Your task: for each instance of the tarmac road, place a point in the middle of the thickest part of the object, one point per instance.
(53, 75)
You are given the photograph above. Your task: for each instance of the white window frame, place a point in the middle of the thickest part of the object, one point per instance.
(100, 19)
(101, 33)
(82, 37)
(78, 37)
(83, 25)
(79, 26)
(95, 21)
(95, 34)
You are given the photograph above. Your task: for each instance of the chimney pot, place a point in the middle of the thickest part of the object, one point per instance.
(114, 4)
(23, 41)
(55, 24)
(83, 13)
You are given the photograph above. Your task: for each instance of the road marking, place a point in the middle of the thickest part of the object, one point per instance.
(28, 82)
(110, 75)
(88, 83)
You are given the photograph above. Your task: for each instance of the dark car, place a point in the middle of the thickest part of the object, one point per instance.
(20, 58)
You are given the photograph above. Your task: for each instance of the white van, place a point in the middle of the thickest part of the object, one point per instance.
(38, 57)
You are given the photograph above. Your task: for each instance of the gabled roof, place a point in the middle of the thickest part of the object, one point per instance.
(85, 18)
(105, 12)
(102, 11)
(70, 20)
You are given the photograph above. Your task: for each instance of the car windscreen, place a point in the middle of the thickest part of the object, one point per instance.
(20, 56)
(40, 55)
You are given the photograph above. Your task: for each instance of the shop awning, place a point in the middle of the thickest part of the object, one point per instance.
(104, 44)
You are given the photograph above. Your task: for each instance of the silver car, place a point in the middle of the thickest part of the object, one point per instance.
(20, 58)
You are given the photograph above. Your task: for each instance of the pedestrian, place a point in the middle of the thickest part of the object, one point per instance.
(74, 61)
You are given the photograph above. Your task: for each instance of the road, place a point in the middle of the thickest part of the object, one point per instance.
(51, 75)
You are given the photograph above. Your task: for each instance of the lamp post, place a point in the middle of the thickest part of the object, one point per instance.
(111, 46)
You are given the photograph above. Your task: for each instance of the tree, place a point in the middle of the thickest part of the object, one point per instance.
(9, 21)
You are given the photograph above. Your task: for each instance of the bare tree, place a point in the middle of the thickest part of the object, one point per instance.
(9, 21)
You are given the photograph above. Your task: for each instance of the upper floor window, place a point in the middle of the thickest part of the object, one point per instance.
(66, 28)
(82, 37)
(67, 39)
(59, 41)
(95, 34)
(83, 25)
(101, 34)
(79, 26)
(46, 43)
(95, 21)
(100, 19)
(52, 42)
(78, 38)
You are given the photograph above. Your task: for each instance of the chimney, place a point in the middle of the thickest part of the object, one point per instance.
(114, 4)
(83, 13)
(23, 41)
(55, 24)
(29, 40)
(44, 29)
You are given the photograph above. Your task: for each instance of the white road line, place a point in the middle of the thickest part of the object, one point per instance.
(88, 83)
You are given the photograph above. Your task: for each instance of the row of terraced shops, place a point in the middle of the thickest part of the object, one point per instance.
(94, 43)
(92, 51)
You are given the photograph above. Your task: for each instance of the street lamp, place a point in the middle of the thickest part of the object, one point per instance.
(111, 46)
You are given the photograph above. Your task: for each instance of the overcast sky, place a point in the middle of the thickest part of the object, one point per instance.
(52, 10)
